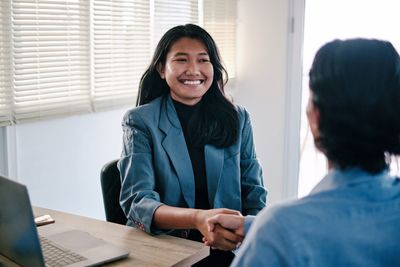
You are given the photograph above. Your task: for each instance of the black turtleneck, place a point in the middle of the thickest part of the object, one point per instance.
(196, 153)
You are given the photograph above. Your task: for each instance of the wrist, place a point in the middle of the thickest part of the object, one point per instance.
(195, 218)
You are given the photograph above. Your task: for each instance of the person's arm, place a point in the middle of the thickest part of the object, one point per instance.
(138, 197)
(253, 191)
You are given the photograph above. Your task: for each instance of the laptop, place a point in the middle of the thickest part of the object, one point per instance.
(20, 243)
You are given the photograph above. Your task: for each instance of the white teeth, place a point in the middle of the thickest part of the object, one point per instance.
(192, 82)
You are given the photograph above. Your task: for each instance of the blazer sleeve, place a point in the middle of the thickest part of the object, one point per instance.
(138, 198)
(252, 186)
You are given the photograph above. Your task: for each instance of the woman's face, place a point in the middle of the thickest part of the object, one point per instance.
(187, 71)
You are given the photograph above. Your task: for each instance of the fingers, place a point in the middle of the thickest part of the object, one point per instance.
(229, 221)
(204, 215)
(206, 220)
(221, 232)
(221, 243)
(211, 222)
(223, 239)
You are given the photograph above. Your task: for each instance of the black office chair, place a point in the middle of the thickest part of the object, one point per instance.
(111, 188)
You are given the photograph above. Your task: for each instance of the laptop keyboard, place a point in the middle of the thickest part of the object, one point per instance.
(56, 256)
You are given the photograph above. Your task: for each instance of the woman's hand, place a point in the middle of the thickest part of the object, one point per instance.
(232, 222)
(219, 237)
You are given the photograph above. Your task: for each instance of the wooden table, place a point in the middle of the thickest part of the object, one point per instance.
(145, 250)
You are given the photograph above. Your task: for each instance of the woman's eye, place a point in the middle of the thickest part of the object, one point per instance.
(180, 59)
(204, 60)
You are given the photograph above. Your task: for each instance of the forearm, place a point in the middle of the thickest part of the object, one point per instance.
(167, 217)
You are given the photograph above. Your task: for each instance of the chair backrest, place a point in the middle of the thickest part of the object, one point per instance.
(111, 188)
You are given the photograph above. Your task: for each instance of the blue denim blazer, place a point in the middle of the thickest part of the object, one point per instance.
(156, 169)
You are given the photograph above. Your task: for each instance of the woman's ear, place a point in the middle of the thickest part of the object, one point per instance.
(161, 70)
(313, 117)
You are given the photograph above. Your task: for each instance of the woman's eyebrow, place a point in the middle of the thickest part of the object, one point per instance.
(180, 54)
(187, 54)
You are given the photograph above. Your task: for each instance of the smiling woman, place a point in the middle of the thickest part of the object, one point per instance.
(187, 71)
(188, 151)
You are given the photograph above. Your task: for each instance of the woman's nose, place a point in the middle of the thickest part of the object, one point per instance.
(192, 68)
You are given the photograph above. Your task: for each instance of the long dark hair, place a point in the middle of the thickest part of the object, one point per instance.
(356, 87)
(217, 121)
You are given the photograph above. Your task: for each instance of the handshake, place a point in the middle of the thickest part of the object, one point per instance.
(222, 228)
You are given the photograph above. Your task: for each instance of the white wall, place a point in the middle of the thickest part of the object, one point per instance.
(60, 160)
(264, 43)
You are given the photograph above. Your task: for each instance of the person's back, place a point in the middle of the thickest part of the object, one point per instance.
(350, 219)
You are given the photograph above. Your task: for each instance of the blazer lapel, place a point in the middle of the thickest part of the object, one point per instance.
(214, 162)
(175, 146)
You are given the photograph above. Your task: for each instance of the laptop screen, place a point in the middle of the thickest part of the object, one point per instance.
(18, 235)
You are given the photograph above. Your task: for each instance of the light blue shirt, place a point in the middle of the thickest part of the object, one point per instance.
(351, 218)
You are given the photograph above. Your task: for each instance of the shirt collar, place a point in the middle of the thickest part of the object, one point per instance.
(341, 178)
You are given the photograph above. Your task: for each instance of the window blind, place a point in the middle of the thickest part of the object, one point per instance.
(121, 50)
(5, 88)
(170, 13)
(61, 57)
(220, 22)
(51, 58)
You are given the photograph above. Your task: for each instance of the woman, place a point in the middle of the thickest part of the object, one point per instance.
(352, 217)
(188, 151)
